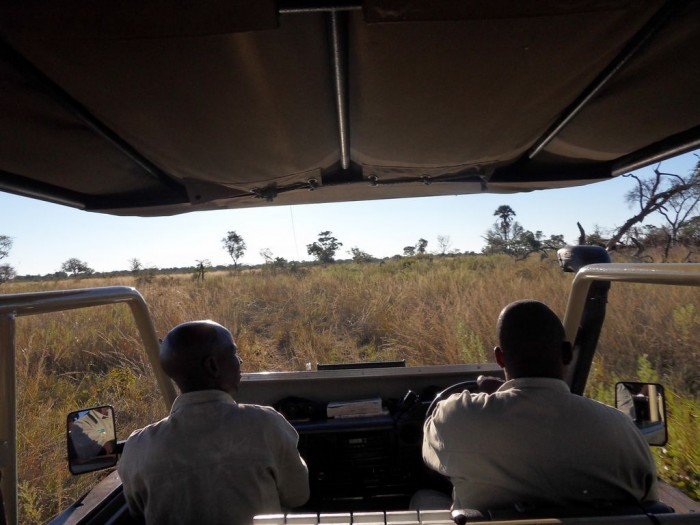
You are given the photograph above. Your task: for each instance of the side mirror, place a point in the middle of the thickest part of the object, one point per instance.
(91, 439)
(645, 403)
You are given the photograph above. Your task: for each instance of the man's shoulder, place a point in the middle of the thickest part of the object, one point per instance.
(602, 410)
(144, 434)
(260, 411)
(462, 403)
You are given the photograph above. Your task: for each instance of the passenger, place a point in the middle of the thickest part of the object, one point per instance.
(533, 442)
(211, 460)
(92, 434)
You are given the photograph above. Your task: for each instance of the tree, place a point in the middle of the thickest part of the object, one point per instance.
(421, 245)
(235, 246)
(444, 243)
(499, 238)
(409, 251)
(266, 254)
(7, 273)
(505, 215)
(135, 266)
(200, 269)
(76, 268)
(673, 196)
(508, 236)
(689, 233)
(5, 246)
(359, 256)
(324, 249)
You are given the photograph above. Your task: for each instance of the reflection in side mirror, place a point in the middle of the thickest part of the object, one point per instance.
(92, 440)
(645, 403)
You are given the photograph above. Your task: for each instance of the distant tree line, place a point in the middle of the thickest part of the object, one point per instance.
(673, 197)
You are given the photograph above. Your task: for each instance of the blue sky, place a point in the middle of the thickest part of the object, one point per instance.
(45, 234)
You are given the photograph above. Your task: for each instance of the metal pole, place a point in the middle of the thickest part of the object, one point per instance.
(8, 415)
(646, 34)
(340, 85)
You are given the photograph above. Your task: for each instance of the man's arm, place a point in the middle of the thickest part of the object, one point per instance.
(130, 484)
(292, 474)
(433, 443)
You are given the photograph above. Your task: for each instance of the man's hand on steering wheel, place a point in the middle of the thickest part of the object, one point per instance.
(489, 384)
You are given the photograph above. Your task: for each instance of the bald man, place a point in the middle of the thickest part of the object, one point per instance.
(532, 441)
(211, 460)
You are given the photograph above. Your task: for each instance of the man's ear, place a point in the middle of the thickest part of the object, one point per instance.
(567, 353)
(211, 366)
(500, 359)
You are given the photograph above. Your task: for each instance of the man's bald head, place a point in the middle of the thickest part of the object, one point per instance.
(201, 355)
(531, 341)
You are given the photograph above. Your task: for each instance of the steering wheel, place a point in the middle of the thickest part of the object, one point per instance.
(470, 385)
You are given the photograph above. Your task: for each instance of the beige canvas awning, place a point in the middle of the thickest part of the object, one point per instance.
(157, 108)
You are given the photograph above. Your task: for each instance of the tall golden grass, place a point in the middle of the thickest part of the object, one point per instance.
(427, 311)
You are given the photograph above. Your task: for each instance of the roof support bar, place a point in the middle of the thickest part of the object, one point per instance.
(8, 416)
(650, 29)
(293, 6)
(338, 44)
(59, 95)
(676, 274)
(33, 303)
(671, 147)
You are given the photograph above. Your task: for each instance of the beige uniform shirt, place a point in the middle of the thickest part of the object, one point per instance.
(90, 433)
(213, 461)
(532, 441)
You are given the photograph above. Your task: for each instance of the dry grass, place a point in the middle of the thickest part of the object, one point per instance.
(425, 311)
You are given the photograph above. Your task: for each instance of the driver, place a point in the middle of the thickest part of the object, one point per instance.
(211, 460)
(532, 442)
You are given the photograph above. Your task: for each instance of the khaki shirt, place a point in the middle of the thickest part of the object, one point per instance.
(532, 441)
(213, 461)
(90, 433)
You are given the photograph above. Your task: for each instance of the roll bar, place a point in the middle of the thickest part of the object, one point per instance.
(25, 304)
(676, 274)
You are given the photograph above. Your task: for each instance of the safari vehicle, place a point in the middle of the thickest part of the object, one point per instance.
(158, 108)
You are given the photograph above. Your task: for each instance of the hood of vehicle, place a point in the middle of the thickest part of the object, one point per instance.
(163, 107)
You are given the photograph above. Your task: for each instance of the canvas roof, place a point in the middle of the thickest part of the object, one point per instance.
(164, 107)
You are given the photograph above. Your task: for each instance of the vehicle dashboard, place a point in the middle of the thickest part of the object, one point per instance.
(361, 430)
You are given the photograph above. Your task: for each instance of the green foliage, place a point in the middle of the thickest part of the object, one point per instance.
(471, 347)
(646, 373)
(444, 244)
(76, 268)
(689, 233)
(324, 249)
(359, 256)
(7, 273)
(235, 246)
(686, 320)
(509, 237)
(30, 503)
(5, 246)
(678, 461)
(200, 269)
(596, 237)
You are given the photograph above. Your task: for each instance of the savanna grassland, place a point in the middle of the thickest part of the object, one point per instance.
(424, 310)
